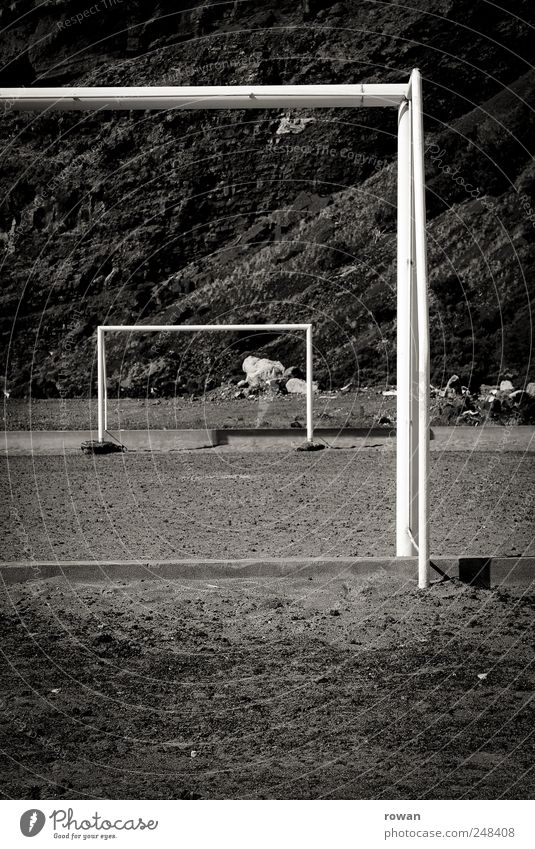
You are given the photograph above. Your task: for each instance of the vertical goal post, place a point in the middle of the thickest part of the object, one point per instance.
(102, 394)
(413, 366)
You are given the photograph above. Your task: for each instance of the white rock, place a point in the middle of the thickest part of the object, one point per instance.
(530, 389)
(295, 386)
(293, 125)
(259, 371)
(506, 386)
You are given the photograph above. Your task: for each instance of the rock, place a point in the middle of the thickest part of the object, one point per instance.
(310, 201)
(530, 389)
(295, 386)
(293, 125)
(506, 386)
(293, 371)
(241, 384)
(260, 371)
(390, 393)
(385, 420)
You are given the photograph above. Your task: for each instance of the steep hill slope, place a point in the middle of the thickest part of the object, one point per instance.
(193, 217)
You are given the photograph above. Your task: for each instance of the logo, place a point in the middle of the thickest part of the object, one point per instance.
(31, 822)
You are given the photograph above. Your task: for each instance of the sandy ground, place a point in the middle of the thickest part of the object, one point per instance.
(264, 688)
(277, 503)
(362, 409)
(267, 689)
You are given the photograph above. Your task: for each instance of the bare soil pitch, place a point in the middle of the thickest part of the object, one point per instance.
(279, 504)
(267, 689)
(215, 409)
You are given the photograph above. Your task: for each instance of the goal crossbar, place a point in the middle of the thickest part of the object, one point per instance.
(413, 369)
(202, 97)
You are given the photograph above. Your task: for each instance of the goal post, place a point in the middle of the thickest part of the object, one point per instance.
(413, 370)
(102, 394)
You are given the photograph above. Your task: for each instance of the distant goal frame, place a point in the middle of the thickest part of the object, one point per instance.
(102, 394)
(413, 362)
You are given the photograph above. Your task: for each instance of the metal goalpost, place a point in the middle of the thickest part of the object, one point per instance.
(194, 328)
(413, 369)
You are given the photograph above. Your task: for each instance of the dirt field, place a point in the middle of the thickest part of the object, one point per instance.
(267, 689)
(337, 410)
(349, 688)
(277, 503)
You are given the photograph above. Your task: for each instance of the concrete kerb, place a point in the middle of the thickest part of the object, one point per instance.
(483, 572)
(495, 439)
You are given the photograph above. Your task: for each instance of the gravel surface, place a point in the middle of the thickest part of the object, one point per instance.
(266, 689)
(210, 504)
(339, 410)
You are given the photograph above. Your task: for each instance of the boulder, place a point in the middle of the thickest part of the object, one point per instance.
(259, 371)
(295, 386)
(506, 386)
(530, 389)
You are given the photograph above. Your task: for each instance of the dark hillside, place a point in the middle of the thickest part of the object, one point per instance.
(198, 216)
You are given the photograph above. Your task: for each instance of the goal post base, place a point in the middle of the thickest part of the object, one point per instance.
(104, 446)
(310, 446)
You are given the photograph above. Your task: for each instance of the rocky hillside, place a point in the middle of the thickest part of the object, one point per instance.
(262, 216)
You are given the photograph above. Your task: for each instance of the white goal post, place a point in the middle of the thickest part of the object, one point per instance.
(413, 369)
(195, 328)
